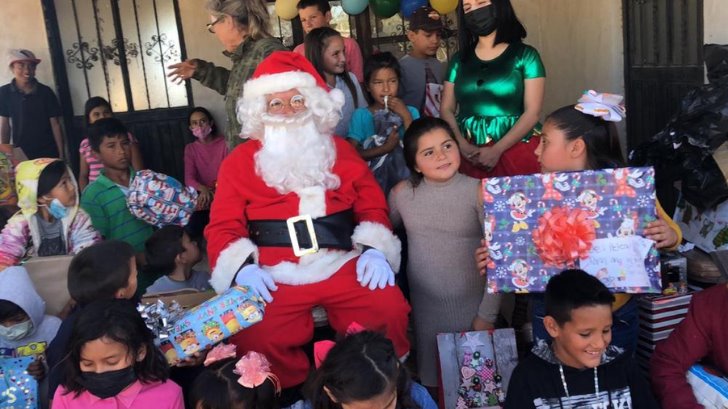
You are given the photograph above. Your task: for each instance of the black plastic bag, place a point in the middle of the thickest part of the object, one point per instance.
(683, 150)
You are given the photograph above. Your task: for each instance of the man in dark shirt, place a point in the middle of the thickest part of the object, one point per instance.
(29, 110)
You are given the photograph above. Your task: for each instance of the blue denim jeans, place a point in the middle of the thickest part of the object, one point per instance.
(625, 323)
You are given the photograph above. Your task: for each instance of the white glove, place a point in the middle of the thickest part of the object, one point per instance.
(257, 280)
(373, 270)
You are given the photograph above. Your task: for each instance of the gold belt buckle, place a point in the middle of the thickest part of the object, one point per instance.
(297, 250)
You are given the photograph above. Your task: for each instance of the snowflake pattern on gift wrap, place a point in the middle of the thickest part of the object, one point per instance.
(615, 213)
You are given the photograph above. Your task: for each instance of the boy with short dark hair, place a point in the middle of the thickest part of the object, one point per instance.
(579, 369)
(106, 270)
(170, 252)
(316, 14)
(29, 110)
(105, 199)
(420, 67)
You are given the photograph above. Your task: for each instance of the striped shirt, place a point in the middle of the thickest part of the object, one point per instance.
(105, 202)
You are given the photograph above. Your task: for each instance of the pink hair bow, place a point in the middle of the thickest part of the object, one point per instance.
(219, 353)
(254, 369)
(609, 107)
(322, 348)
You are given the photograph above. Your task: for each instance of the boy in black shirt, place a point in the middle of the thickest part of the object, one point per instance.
(579, 369)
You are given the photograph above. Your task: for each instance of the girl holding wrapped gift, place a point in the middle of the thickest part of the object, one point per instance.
(446, 291)
(583, 137)
(493, 92)
(376, 130)
(362, 371)
(228, 382)
(113, 362)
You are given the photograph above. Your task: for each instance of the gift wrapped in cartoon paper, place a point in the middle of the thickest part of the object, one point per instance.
(181, 333)
(160, 200)
(538, 225)
(17, 388)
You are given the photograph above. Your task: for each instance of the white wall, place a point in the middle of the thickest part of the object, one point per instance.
(203, 45)
(580, 43)
(22, 26)
(715, 24)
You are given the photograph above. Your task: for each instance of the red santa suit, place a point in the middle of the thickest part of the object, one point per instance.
(327, 277)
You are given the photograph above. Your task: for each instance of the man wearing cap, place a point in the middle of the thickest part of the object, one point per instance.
(421, 70)
(29, 110)
(299, 218)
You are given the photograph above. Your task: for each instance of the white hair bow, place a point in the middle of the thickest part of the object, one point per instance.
(609, 107)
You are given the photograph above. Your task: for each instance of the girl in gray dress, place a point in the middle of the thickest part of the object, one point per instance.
(441, 210)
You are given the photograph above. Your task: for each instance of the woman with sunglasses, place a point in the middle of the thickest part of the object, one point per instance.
(243, 28)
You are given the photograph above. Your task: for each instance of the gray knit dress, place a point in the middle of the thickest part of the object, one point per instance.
(443, 224)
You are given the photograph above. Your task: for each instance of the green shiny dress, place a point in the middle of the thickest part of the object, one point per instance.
(490, 93)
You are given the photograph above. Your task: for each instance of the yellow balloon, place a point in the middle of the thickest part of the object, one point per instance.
(443, 6)
(286, 9)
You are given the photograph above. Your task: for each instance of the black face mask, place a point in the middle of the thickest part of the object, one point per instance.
(108, 384)
(482, 21)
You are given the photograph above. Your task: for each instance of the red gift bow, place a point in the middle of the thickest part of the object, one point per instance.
(564, 235)
(322, 348)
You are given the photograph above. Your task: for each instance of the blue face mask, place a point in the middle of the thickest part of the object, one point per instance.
(17, 331)
(57, 209)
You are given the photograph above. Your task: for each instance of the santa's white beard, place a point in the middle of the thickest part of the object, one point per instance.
(295, 155)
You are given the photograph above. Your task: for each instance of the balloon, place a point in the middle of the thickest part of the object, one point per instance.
(354, 7)
(444, 6)
(286, 9)
(384, 8)
(409, 6)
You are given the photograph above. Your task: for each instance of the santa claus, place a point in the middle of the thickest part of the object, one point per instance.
(299, 218)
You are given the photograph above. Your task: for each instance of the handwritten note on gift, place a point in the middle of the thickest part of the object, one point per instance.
(538, 225)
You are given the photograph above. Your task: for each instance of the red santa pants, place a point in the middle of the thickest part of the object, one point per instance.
(288, 325)
(519, 159)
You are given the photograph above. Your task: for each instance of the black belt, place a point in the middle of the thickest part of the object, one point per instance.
(304, 234)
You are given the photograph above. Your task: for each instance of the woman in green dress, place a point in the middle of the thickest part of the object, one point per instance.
(498, 83)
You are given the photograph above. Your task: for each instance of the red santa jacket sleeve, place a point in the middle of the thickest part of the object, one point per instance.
(228, 246)
(689, 343)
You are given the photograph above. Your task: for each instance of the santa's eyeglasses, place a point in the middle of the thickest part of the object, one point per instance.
(277, 105)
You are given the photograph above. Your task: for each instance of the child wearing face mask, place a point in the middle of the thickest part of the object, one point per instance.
(49, 222)
(203, 158)
(112, 362)
(24, 328)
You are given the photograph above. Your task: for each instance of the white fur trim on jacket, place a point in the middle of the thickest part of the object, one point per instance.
(311, 268)
(268, 84)
(312, 201)
(381, 238)
(229, 262)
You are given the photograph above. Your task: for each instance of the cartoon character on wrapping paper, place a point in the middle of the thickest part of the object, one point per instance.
(519, 269)
(519, 213)
(250, 312)
(628, 226)
(189, 342)
(494, 252)
(552, 183)
(627, 180)
(213, 331)
(231, 323)
(589, 201)
(491, 188)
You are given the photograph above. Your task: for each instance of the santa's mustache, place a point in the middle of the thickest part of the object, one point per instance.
(286, 120)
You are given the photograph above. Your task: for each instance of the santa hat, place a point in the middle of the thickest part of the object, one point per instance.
(283, 71)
